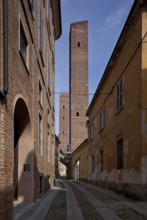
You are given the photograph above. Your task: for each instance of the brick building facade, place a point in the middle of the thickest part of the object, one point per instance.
(78, 83)
(118, 118)
(63, 121)
(28, 30)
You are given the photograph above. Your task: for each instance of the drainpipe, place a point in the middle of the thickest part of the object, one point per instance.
(5, 50)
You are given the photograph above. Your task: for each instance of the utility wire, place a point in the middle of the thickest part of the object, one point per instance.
(103, 93)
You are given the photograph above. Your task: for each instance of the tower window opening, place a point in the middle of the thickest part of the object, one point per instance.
(78, 44)
(77, 114)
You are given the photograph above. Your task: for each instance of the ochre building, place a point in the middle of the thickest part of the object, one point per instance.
(28, 30)
(79, 162)
(118, 113)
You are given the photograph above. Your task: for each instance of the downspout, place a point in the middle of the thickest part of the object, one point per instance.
(5, 50)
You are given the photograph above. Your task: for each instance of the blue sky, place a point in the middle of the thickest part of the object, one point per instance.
(106, 19)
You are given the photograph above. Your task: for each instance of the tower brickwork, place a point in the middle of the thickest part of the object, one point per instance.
(78, 83)
(63, 126)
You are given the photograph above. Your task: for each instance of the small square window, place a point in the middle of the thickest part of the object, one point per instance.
(26, 167)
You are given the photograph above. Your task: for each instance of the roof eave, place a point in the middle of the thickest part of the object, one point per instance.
(57, 18)
(111, 58)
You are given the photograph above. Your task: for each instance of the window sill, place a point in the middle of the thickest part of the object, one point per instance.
(101, 129)
(40, 154)
(119, 110)
(24, 62)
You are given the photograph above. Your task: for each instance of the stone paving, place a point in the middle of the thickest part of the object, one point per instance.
(73, 200)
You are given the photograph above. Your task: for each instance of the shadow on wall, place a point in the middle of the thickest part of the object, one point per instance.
(28, 183)
(31, 184)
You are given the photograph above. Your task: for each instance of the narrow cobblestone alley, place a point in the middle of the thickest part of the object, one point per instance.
(70, 200)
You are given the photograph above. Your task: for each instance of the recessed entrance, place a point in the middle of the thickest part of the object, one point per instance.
(23, 153)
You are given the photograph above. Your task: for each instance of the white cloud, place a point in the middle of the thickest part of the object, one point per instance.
(114, 20)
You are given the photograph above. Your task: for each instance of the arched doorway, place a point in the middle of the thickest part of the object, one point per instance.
(23, 180)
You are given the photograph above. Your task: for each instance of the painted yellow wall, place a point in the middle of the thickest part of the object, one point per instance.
(81, 154)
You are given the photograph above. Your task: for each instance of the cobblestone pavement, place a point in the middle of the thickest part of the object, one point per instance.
(74, 200)
(93, 203)
(58, 207)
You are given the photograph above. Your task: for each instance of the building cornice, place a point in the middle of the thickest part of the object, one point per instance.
(123, 36)
(57, 18)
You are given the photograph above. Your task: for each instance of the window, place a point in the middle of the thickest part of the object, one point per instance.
(92, 132)
(101, 159)
(40, 31)
(48, 117)
(68, 149)
(77, 114)
(120, 154)
(63, 106)
(48, 10)
(23, 44)
(53, 40)
(26, 167)
(40, 94)
(41, 183)
(32, 5)
(92, 164)
(78, 44)
(40, 135)
(49, 151)
(48, 74)
(119, 95)
(102, 117)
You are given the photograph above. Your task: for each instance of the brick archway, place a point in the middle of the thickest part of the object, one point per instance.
(23, 153)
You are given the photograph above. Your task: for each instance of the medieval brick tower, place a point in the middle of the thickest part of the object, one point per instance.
(78, 83)
(63, 126)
